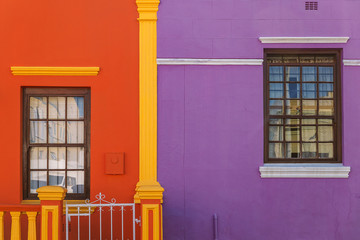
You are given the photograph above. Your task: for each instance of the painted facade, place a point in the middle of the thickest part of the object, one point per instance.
(211, 122)
(91, 45)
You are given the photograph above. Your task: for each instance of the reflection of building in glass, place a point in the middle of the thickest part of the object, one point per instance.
(55, 120)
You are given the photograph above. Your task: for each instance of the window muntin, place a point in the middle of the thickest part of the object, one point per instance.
(302, 108)
(56, 140)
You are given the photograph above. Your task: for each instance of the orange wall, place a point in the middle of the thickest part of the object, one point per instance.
(73, 33)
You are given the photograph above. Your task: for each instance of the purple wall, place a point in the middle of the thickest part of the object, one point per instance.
(210, 130)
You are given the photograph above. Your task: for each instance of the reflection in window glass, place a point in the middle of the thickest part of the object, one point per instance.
(37, 179)
(301, 100)
(38, 108)
(38, 131)
(276, 107)
(75, 108)
(56, 107)
(276, 74)
(276, 150)
(292, 90)
(276, 90)
(292, 74)
(293, 150)
(75, 182)
(309, 74)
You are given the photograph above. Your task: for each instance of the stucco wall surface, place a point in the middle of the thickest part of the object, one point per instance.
(73, 34)
(210, 129)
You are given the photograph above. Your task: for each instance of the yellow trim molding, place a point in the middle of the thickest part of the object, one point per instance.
(55, 71)
(146, 208)
(71, 209)
(148, 187)
(45, 210)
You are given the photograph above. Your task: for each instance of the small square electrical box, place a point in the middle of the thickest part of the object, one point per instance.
(115, 163)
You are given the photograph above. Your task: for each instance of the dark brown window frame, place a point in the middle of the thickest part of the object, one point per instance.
(337, 53)
(58, 92)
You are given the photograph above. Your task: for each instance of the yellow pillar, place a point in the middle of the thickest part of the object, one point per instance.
(15, 225)
(148, 189)
(51, 198)
(148, 186)
(31, 225)
(1, 225)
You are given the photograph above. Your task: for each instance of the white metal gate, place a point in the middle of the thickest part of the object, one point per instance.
(109, 209)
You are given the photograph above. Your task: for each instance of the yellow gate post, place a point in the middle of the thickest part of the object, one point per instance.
(149, 192)
(51, 198)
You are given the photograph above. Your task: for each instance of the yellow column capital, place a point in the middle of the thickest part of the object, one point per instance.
(56, 193)
(148, 190)
(147, 10)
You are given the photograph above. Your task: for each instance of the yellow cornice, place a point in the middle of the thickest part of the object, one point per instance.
(147, 10)
(55, 71)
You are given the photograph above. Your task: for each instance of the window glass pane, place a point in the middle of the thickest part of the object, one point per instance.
(292, 133)
(276, 150)
(292, 150)
(325, 121)
(326, 107)
(309, 90)
(275, 121)
(308, 133)
(325, 59)
(38, 108)
(325, 133)
(37, 131)
(309, 150)
(75, 132)
(326, 150)
(276, 90)
(326, 74)
(291, 59)
(75, 182)
(75, 157)
(38, 158)
(307, 59)
(276, 74)
(56, 107)
(309, 107)
(308, 121)
(326, 90)
(293, 90)
(293, 107)
(75, 107)
(276, 107)
(56, 131)
(57, 178)
(37, 179)
(275, 133)
(57, 157)
(309, 74)
(274, 59)
(292, 121)
(292, 74)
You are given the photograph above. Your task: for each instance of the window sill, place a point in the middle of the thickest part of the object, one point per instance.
(304, 171)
